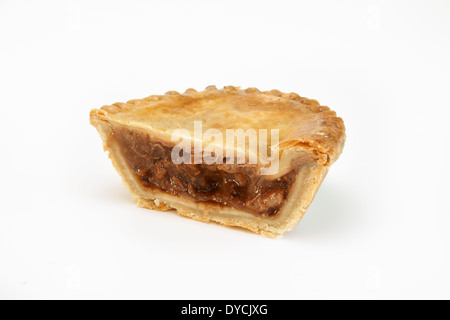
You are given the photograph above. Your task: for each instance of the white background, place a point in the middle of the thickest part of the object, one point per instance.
(380, 225)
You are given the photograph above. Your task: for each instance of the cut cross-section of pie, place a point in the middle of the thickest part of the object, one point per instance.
(237, 157)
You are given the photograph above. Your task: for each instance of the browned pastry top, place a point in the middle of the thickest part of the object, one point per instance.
(302, 123)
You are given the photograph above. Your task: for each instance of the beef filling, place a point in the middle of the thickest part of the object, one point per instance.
(236, 186)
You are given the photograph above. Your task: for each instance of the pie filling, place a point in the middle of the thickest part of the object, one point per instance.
(236, 186)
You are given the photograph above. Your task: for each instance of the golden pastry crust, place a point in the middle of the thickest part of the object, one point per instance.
(305, 127)
(302, 122)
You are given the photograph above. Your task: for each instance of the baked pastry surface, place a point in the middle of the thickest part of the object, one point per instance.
(139, 136)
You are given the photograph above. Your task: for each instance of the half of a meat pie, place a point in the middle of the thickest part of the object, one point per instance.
(237, 157)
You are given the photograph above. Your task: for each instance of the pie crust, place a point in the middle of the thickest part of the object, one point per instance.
(307, 130)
